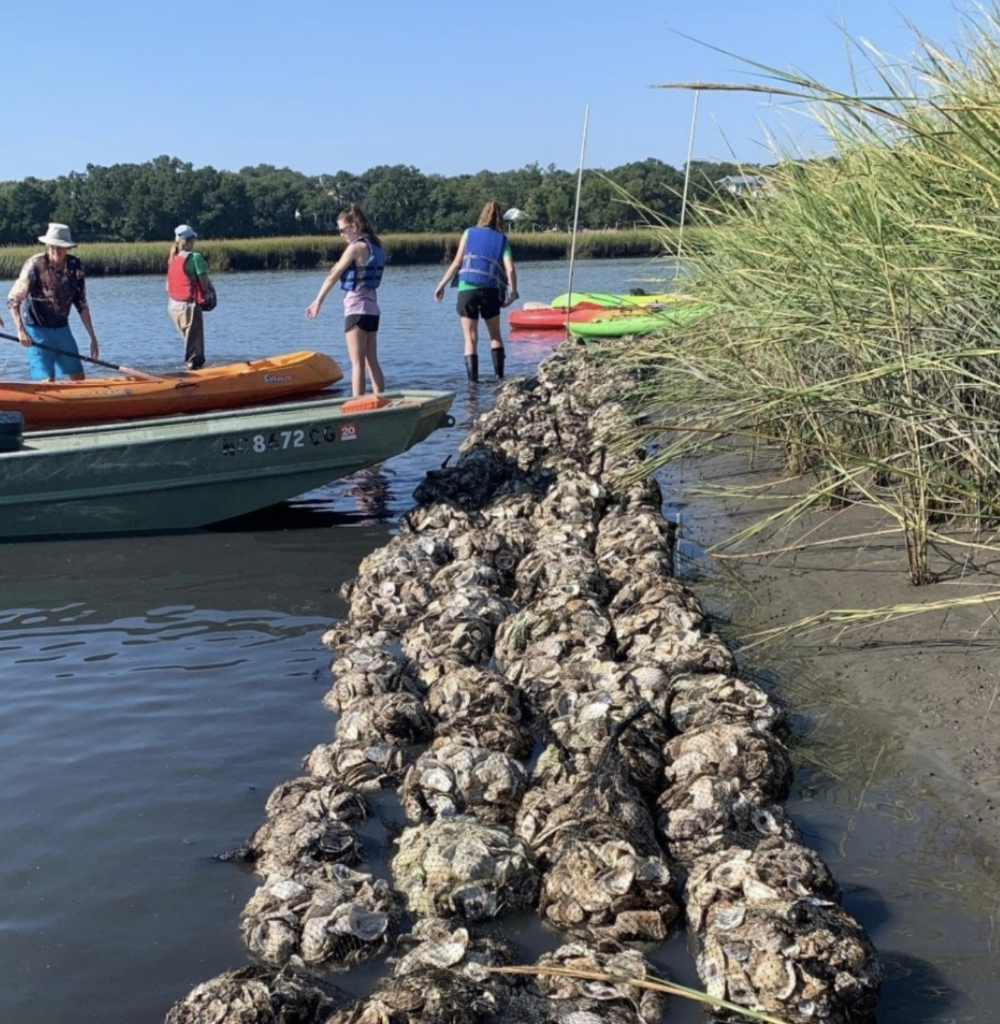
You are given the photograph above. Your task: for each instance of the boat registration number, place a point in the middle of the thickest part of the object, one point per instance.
(281, 440)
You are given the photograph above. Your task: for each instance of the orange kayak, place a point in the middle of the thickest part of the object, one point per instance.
(72, 402)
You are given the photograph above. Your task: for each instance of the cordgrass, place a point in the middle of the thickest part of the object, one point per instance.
(308, 252)
(855, 309)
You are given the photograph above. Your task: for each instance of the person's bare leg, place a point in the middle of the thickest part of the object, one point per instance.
(356, 353)
(470, 332)
(371, 361)
(497, 351)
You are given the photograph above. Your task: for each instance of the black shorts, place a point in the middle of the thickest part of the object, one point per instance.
(362, 321)
(474, 303)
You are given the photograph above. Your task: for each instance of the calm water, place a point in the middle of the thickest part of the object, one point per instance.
(157, 688)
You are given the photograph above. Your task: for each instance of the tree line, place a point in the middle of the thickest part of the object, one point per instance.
(144, 202)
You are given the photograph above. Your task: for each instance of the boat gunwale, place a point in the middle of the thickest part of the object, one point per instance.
(328, 403)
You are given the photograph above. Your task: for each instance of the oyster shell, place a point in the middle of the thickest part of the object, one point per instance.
(398, 716)
(456, 778)
(364, 766)
(606, 889)
(331, 916)
(459, 867)
(256, 995)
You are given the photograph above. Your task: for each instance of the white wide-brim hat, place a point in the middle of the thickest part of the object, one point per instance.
(58, 234)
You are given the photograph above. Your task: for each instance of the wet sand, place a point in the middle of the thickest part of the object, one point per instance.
(930, 682)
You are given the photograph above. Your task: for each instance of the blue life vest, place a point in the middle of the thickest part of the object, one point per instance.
(370, 275)
(482, 264)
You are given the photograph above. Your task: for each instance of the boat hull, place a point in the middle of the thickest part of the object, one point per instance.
(184, 472)
(100, 399)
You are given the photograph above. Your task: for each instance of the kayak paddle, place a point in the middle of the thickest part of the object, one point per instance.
(89, 359)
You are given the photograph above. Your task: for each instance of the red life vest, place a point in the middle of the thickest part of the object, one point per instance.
(181, 286)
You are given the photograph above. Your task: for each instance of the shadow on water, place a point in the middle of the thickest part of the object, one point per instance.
(370, 491)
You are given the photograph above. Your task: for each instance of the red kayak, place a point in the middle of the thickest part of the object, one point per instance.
(549, 319)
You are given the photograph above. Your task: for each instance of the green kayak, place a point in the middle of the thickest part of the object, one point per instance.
(615, 301)
(639, 323)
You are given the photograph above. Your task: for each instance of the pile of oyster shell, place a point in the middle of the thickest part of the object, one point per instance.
(562, 728)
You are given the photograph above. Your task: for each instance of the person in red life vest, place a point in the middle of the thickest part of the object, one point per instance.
(189, 290)
(359, 271)
(49, 285)
(487, 281)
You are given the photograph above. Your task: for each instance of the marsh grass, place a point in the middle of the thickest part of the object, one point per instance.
(855, 324)
(308, 252)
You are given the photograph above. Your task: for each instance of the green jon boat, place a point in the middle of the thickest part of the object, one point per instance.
(185, 471)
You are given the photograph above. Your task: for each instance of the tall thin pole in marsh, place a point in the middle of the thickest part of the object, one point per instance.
(687, 173)
(576, 211)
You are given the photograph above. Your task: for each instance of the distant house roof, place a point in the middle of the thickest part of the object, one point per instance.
(742, 182)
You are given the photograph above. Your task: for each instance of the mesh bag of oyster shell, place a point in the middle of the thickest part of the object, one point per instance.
(572, 571)
(433, 639)
(329, 915)
(364, 766)
(591, 798)
(360, 672)
(439, 522)
(308, 821)
(556, 626)
(258, 995)
(470, 483)
(469, 691)
(398, 716)
(584, 723)
(608, 890)
(460, 867)
(589, 983)
(460, 778)
(575, 497)
(721, 784)
(439, 976)
(635, 544)
(772, 935)
(701, 700)
(604, 873)
(393, 583)
(478, 707)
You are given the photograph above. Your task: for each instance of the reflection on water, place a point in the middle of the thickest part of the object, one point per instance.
(372, 495)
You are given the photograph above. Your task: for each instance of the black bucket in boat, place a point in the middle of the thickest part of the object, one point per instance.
(11, 431)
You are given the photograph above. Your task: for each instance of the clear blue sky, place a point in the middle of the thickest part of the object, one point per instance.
(447, 88)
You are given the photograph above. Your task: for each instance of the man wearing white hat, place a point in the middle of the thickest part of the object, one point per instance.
(50, 283)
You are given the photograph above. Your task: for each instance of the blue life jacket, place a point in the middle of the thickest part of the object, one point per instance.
(355, 278)
(482, 264)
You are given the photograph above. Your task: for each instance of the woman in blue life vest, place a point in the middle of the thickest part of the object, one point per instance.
(188, 287)
(487, 281)
(359, 271)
